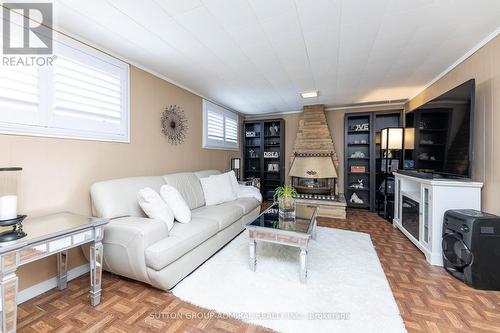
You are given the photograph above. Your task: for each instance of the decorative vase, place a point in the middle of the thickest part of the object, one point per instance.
(286, 208)
(286, 224)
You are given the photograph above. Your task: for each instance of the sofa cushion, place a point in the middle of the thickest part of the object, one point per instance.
(234, 182)
(189, 186)
(247, 204)
(250, 192)
(206, 173)
(225, 214)
(217, 189)
(118, 197)
(182, 239)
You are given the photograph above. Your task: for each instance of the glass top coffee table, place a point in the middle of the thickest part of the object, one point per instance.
(268, 227)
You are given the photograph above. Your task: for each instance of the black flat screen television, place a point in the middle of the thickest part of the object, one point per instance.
(441, 139)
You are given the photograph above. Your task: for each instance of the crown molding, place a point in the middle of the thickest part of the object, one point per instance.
(250, 115)
(392, 103)
(397, 104)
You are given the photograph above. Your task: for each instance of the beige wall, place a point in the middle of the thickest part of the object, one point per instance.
(484, 67)
(335, 119)
(58, 172)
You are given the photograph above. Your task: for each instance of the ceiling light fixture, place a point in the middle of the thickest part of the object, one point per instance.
(309, 94)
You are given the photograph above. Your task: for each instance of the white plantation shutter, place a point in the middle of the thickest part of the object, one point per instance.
(83, 95)
(220, 127)
(86, 98)
(215, 125)
(19, 95)
(231, 132)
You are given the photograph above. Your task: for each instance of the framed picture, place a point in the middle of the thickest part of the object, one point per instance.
(273, 167)
(393, 165)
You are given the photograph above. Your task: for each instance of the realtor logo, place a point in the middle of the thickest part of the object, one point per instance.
(27, 28)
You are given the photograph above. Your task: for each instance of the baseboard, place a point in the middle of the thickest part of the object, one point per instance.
(33, 291)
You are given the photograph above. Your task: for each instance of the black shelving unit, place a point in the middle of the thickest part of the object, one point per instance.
(264, 146)
(357, 157)
(431, 136)
(365, 141)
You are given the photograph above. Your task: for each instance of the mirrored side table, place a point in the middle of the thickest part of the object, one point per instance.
(48, 235)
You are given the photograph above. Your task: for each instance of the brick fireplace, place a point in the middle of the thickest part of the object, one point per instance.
(313, 171)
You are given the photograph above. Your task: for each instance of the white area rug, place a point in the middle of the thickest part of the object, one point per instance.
(345, 282)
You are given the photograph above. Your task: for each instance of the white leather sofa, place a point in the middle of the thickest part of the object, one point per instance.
(143, 249)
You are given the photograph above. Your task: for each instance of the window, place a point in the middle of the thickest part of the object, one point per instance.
(220, 127)
(84, 95)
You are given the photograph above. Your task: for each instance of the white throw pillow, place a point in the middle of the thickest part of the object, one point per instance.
(176, 202)
(154, 206)
(250, 192)
(234, 182)
(217, 189)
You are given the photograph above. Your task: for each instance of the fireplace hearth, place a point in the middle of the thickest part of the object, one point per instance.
(314, 173)
(314, 186)
(317, 197)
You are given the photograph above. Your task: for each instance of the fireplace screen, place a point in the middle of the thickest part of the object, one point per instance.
(314, 185)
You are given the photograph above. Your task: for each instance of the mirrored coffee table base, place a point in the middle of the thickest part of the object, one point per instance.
(268, 227)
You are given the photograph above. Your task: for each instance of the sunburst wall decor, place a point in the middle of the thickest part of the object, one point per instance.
(174, 124)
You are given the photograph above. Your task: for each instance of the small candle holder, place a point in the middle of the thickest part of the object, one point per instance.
(17, 229)
(9, 216)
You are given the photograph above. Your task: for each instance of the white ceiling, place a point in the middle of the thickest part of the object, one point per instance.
(255, 56)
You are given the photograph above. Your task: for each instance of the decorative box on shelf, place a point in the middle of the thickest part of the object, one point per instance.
(358, 169)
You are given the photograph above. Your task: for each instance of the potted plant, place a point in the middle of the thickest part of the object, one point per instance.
(284, 196)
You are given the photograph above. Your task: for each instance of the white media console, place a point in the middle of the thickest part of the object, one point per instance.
(420, 205)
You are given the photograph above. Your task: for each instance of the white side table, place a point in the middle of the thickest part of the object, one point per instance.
(48, 235)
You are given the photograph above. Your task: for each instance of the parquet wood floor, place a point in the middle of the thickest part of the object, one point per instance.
(429, 299)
